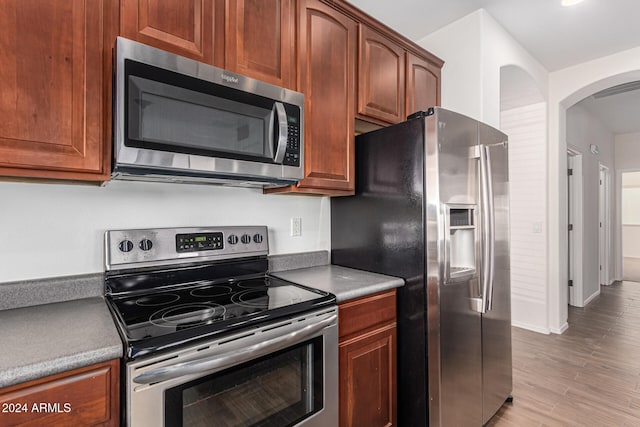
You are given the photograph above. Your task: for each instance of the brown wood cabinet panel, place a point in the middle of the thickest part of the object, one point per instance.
(260, 40)
(367, 352)
(368, 379)
(362, 314)
(191, 28)
(423, 84)
(87, 396)
(326, 75)
(381, 82)
(53, 85)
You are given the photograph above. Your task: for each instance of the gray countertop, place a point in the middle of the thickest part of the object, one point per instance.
(54, 325)
(43, 340)
(345, 283)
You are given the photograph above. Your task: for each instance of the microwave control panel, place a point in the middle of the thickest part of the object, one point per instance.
(292, 153)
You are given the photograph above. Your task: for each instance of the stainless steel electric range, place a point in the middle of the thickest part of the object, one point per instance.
(210, 335)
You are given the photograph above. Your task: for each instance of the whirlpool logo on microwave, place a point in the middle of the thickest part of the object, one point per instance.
(230, 79)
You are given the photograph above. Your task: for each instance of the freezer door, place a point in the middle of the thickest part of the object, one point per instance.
(496, 322)
(455, 346)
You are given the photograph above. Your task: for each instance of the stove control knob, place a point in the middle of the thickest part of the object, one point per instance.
(145, 244)
(257, 238)
(126, 246)
(233, 239)
(245, 239)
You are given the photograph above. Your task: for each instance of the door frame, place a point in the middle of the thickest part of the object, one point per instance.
(604, 217)
(575, 245)
(618, 266)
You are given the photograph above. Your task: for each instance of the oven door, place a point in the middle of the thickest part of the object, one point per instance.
(280, 374)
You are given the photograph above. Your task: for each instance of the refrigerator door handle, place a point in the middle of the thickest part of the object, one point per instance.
(488, 228)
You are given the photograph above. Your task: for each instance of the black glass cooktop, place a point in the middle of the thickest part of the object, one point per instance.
(179, 314)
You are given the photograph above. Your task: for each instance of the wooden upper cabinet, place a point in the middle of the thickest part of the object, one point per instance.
(326, 74)
(423, 84)
(381, 77)
(260, 40)
(54, 82)
(184, 27)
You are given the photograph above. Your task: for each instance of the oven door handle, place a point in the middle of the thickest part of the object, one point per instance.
(234, 357)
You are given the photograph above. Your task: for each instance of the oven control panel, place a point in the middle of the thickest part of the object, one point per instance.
(195, 242)
(165, 246)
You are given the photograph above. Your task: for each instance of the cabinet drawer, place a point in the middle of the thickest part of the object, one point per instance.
(366, 313)
(86, 396)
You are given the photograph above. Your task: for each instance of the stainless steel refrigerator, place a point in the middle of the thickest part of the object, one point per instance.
(432, 206)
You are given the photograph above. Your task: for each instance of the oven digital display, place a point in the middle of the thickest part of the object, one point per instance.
(199, 242)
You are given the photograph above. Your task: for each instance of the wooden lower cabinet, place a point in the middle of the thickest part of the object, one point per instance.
(367, 354)
(86, 396)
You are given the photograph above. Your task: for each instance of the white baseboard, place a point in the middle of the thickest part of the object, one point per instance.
(530, 327)
(560, 330)
(592, 297)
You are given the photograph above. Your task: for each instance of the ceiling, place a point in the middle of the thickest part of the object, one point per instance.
(557, 36)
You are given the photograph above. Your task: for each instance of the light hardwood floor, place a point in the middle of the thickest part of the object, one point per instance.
(588, 376)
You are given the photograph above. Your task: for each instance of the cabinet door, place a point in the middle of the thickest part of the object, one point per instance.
(381, 78)
(326, 77)
(367, 379)
(52, 79)
(184, 27)
(83, 397)
(423, 84)
(260, 40)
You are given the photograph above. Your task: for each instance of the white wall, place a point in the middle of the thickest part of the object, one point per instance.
(566, 88)
(474, 49)
(459, 45)
(527, 130)
(584, 129)
(627, 159)
(55, 230)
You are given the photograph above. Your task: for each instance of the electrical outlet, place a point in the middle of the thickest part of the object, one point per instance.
(537, 227)
(296, 226)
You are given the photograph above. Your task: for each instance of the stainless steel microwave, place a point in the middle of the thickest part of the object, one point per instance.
(179, 120)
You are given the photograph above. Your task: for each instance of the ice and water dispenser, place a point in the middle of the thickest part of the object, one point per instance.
(461, 240)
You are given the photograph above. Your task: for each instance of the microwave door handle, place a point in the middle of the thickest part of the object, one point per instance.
(233, 357)
(283, 132)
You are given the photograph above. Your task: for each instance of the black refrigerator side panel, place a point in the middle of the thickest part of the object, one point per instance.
(381, 229)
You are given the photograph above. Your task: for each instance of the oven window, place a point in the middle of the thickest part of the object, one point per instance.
(277, 390)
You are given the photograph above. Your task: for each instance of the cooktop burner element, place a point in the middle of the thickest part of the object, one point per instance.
(163, 298)
(211, 291)
(187, 315)
(155, 300)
